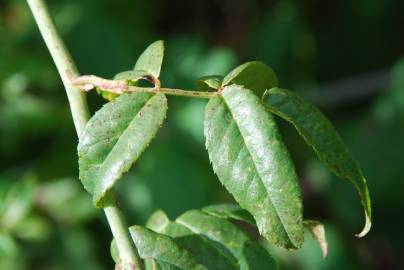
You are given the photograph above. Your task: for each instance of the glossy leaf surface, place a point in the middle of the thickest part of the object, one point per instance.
(321, 135)
(252, 162)
(115, 137)
(254, 75)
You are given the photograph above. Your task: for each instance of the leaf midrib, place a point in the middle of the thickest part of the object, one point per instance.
(100, 165)
(121, 135)
(106, 138)
(258, 173)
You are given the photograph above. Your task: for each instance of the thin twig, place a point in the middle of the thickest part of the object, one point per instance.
(88, 82)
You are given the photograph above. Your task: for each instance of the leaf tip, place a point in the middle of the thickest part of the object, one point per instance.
(158, 221)
(317, 230)
(368, 210)
(158, 44)
(367, 227)
(151, 59)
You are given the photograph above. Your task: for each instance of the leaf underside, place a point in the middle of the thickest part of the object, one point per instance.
(321, 135)
(251, 161)
(114, 139)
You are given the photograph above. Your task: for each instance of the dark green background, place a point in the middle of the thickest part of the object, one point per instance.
(342, 55)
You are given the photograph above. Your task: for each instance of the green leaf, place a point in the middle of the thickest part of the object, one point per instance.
(64, 202)
(114, 139)
(318, 232)
(162, 249)
(151, 59)
(158, 221)
(133, 76)
(8, 246)
(147, 67)
(249, 254)
(107, 95)
(114, 252)
(321, 135)
(252, 162)
(254, 75)
(215, 242)
(209, 83)
(206, 251)
(33, 228)
(230, 211)
(17, 202)
(151, 264)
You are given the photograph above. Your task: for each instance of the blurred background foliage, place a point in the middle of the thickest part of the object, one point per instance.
(343, 55)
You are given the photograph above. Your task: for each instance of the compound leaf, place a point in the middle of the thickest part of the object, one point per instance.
(251, 161)
(114, 139)
(321, 135)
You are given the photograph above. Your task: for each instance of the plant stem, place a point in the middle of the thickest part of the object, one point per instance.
(88, 82)
(128, 255)
(79, 109)
(188, 93)
(64, 63)
(174, 92)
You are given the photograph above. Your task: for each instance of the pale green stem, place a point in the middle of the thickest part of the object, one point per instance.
(127, 253)
(174, 92)
(64, 63)
(89, 82)
(79, 109)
